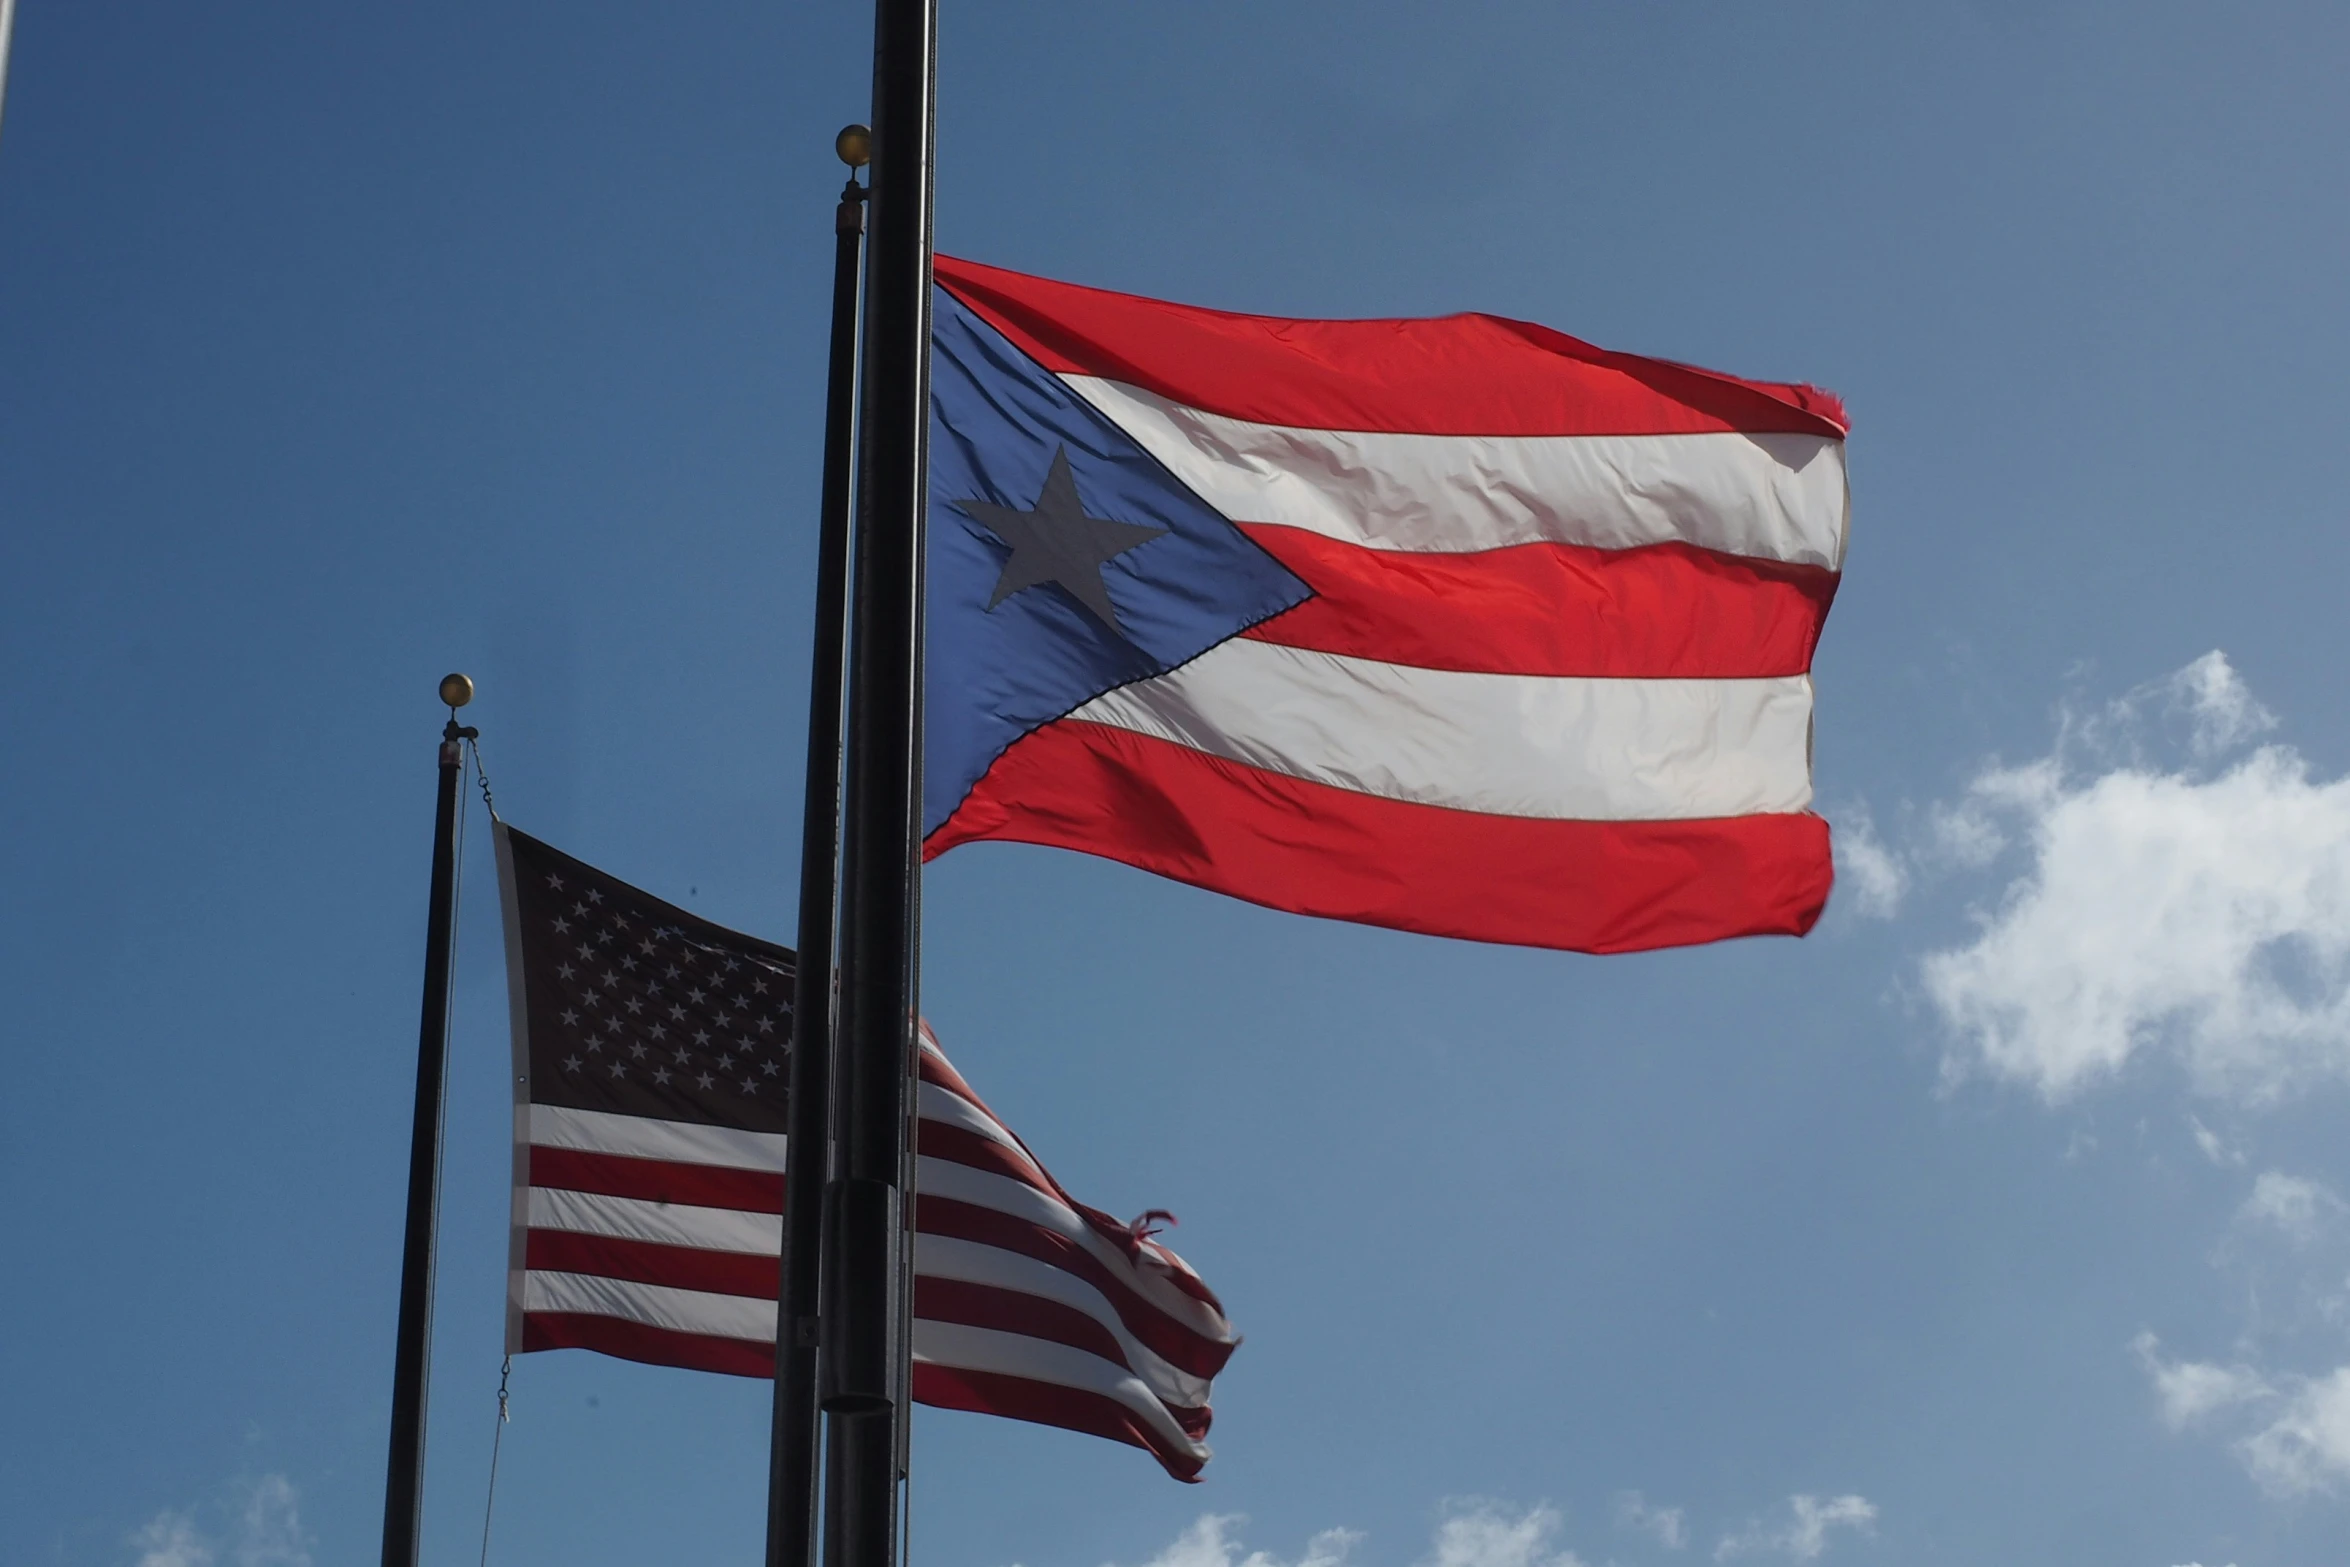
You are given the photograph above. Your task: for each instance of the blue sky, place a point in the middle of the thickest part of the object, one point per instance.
(2001, 1220)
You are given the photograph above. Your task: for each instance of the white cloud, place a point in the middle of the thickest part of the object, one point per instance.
(2189, 1390)
(2306, 1447)
(1804, 1537)
(1868, 872)
(2204, 915)
(1471, 1533)
(1213, 1541)
(2214, 1149)
(2292, 1204)
(170, 1539)
(2218, 704)
(1664, 1523)
(269, 1526)
(263, 1529)
(1481, 1534)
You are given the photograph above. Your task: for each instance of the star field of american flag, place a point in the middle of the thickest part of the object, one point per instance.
(637, 1007)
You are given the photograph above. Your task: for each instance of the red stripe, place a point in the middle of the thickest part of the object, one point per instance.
(642, 1342)
(1013, 1311)
(1451, 375)
(1165, 1336)
(1048, 1404)
(1310, 848)
(942, 1387)
(649, 1262)
(961, 1145)
(656, 1180)
(1669, 611)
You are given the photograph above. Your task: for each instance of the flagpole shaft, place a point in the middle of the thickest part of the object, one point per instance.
(863, 1365)
(7, 35)
(791, 1476)
(412, 1357)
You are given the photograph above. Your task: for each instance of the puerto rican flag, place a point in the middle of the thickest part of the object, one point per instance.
(1459, 626)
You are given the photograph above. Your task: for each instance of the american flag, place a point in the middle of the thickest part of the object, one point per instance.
(651, 1064)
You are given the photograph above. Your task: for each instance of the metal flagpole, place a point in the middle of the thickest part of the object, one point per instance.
(864, 1352)
(791, 1454)
(7, 32)
(412, 1359)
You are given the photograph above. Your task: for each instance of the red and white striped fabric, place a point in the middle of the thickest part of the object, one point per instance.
(1553, 686)
(657, 1240)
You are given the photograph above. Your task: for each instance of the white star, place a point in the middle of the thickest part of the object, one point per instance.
(701, 1036)
(563, 927)
(570, 1018)
(579, 908)
(603, 938)
(595, 896)
(731, 965)
(555, 881)
(590, 998)
(677, 1013)
(645, 947)
(586, 953)
(742, 1003)
(618, 1070)
(705, 1080)
(758, 987)
(671, 972)
(571, 1064)
(636, 1052)
(726, 1062)
(610, 979)
(722, 1020)
(750, 1085)
(766, 1025)
(635, 1005)
(768, 1067)
(681, 1058)
(564, 971)
(660, 1031)
(628, 962)
(694, 995)
(661, 1075)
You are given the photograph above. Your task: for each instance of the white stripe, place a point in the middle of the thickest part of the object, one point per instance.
(1780, 497)
(936, 1177)
(643, 1137)
(1508, 745)
(936, 1102)
(1041, 1360)
(655, 1305)
(662, 1223)
(944, 1257)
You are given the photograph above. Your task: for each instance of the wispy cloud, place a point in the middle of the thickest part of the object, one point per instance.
(1471, 1533)
(1213, 1540)
(1871, 877)
(1664, 1524)
(1803, 1536)
(2200, 913)
(2306, 1446)
(261, 1526)
(2190, 1390)
(2292, 1205)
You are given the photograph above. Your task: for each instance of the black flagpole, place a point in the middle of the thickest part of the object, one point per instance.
(864, 1359)
(412, 1359)
(791, 1453)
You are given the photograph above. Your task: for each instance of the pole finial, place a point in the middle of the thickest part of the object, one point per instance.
(854, 145)
(456, 691)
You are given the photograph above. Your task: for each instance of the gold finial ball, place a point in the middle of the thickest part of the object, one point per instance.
(456, 690)
(855, 146)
